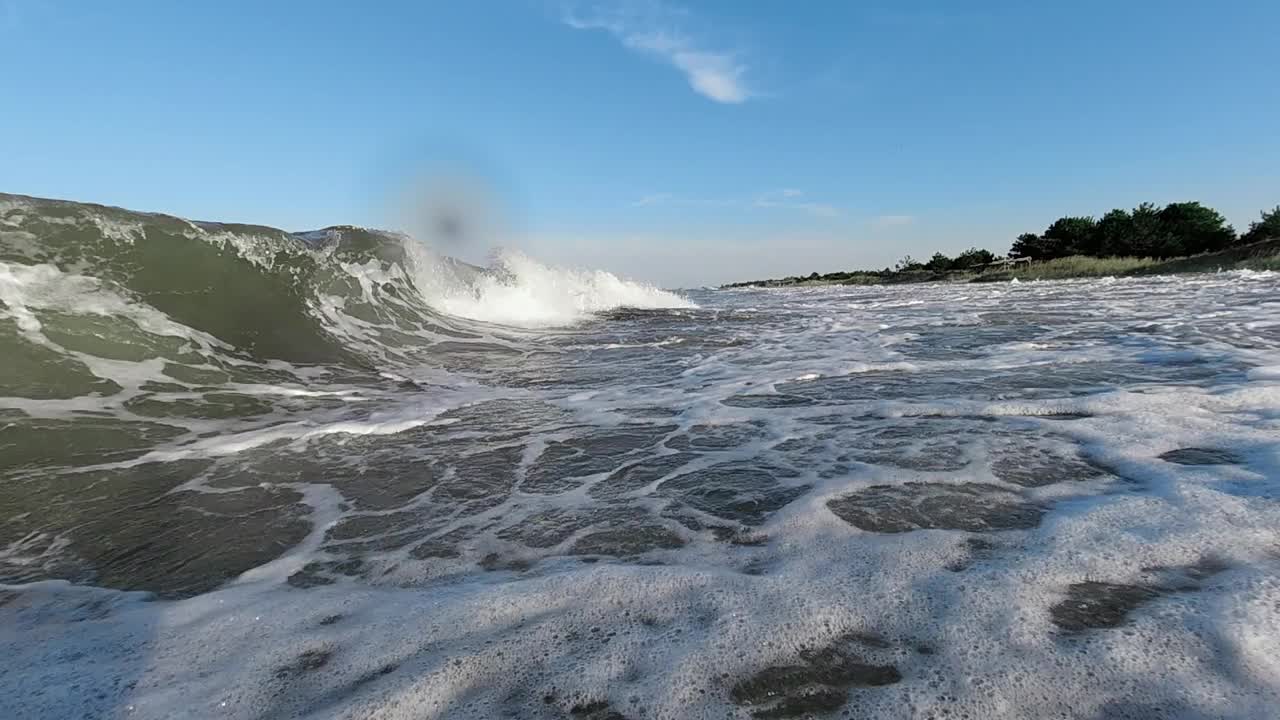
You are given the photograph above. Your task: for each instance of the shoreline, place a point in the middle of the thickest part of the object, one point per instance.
(1263, 255)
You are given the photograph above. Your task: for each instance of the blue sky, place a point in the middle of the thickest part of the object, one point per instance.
(683, 143)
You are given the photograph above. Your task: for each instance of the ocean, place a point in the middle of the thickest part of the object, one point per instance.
(250, 474)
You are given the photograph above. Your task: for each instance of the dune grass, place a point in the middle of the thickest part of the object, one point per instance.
(1076, 266)
(1258, 256)
(1263, 255)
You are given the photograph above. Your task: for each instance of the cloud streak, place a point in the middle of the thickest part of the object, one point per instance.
(716, 75)
(654, 199)
(792, 199)
(891, 221)
(785, 199)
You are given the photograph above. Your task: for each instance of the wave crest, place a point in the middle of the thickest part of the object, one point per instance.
(342, 295)
(523, 292)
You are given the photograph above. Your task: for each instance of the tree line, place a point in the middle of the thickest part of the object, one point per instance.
(1175, 230)
(970, 259)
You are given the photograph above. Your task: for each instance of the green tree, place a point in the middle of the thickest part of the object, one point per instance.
(973, 257)
(1177, 229)
(1114, 234)
(939, 263)
(1028, 245)
(907, 264)
(1265, 229)
(1070, 236)
(1148, 232)
(1189, 228)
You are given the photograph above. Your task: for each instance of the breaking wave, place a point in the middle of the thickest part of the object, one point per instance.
(343, 294)
(250, 474)
(521, 291)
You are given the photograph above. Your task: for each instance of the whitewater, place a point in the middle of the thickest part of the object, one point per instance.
(247, 473)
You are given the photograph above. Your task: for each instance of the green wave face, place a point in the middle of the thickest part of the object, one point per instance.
(181, 402)
(124, 334)
(257, 293)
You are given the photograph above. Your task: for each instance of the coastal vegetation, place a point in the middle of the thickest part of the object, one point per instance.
(1147, 240)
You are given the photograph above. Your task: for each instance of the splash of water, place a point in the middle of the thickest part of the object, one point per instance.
(521, 291)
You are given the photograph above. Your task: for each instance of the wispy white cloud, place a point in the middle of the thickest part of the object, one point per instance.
(889, 221)
(666, 198)
(653, 30)
(792, 199)
(654, 199)
(785, 199)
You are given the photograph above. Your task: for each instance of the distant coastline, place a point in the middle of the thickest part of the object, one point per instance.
(1263, 255)
(1178, 238)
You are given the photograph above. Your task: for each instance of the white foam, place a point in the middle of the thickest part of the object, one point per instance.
(387, 423)
(15, 281)
(536, 643)
(1266, 372)
(523, 292)
(45, 287)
